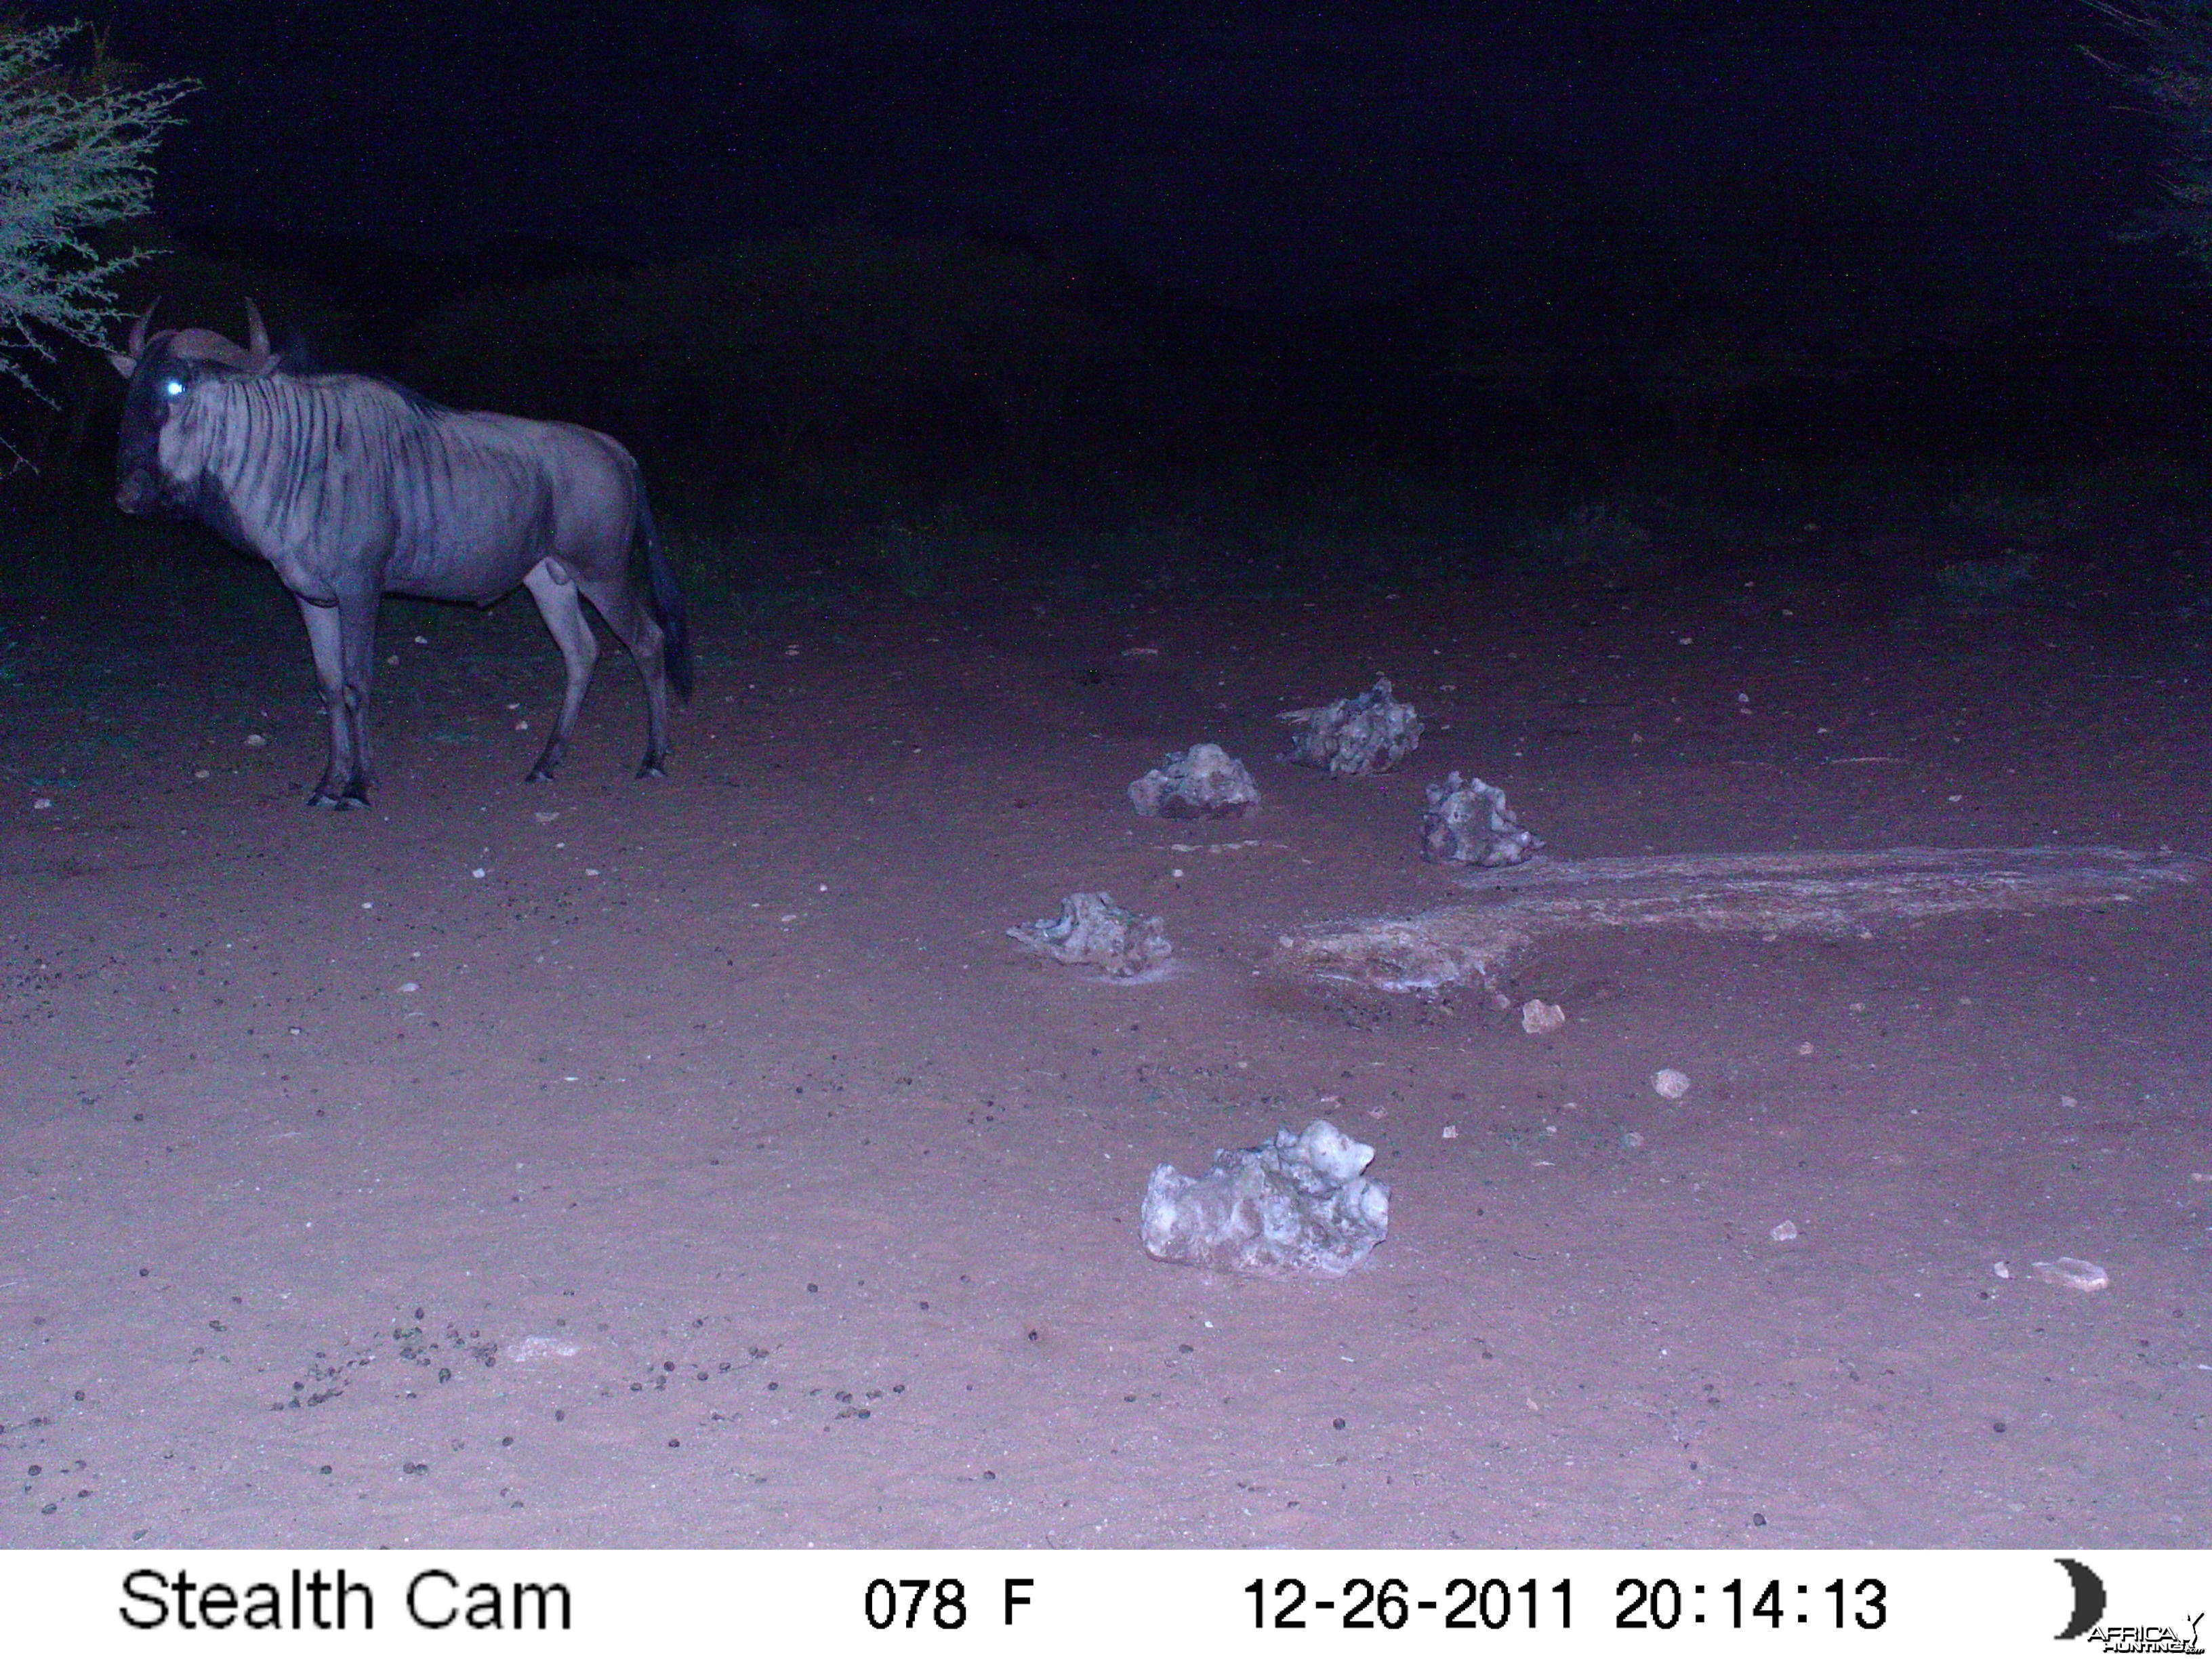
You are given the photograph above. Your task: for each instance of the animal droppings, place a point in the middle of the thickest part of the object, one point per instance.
(1092, 931)
(1298, 1204)
(1202, 782)
(1353, 737)
(1469, 823)
(2073, 1273)
(1541, 1019)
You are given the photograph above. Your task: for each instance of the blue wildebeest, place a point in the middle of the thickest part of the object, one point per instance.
(354, 487)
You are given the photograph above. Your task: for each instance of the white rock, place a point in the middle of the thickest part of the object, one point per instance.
(1541, 1019)
(1671, 1084)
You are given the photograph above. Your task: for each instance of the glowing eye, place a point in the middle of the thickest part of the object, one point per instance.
(172, 389)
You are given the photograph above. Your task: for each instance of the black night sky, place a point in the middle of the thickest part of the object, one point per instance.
(1288, 156)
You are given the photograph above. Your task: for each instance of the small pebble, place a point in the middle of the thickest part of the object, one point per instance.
(257, 741)
(1783, 1232)
(1671, 1084)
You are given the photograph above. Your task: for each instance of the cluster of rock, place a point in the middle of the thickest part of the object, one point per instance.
(1299, 1203)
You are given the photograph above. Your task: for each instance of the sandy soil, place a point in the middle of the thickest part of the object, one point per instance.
(698, 1163)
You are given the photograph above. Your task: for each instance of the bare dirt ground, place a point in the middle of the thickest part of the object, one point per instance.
(699, 1164)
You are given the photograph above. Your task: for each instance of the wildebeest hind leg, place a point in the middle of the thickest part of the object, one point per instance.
(634, 625)
(557, 602)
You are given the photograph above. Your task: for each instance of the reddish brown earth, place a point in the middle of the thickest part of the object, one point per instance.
(697, 1163)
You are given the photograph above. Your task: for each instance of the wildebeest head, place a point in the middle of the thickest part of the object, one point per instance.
(163, 371)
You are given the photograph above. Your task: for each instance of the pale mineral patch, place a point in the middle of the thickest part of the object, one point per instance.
(532, 1350)
(2073, 1273)
(1817, 895)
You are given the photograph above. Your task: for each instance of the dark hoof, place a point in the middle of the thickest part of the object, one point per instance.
(352, 800)
(650, 767)
(539, 775)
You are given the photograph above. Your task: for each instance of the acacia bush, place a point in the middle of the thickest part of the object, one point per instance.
(76, 145)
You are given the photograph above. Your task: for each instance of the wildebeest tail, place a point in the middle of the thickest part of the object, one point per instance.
(652, 564)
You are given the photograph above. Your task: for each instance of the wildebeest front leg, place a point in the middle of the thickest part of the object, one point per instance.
(558, 602)
(343, 637)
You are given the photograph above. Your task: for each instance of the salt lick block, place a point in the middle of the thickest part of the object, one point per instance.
(1298, 1204)
(1469, 823)
(1092, 931)
(1353, 737)
(1205, 782)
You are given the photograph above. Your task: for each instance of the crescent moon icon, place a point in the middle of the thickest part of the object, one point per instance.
(2088, 1599)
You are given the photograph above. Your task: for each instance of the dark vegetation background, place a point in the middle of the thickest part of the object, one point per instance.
(1746, 345)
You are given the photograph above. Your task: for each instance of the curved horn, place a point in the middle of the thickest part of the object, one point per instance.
(257, 337)
(137, 347)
